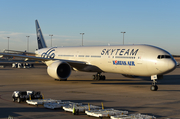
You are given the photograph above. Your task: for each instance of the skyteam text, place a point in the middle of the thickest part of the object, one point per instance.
(126, 52)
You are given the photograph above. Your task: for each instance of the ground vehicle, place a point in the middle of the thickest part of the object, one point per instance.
(26, 95)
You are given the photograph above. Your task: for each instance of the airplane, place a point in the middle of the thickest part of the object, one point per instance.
(129, 60)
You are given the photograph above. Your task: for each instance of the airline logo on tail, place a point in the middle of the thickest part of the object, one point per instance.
(49, 54)
(40, 38)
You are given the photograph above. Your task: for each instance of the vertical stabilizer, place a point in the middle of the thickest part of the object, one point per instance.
(40, 38)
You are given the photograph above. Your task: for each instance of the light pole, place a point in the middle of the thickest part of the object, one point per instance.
(28, 43)
(123, 36)
(8, 44)
(51, 39)
(82, 37)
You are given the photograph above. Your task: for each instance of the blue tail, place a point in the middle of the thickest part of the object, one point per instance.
(40, 38)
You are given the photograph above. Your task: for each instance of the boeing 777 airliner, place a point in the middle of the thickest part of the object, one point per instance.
(129, 60)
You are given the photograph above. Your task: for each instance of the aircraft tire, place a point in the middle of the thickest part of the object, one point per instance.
(154, 88)
(103, 77)
(98, 77)
(94, 77)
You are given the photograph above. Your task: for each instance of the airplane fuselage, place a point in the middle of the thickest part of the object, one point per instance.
(138, 60)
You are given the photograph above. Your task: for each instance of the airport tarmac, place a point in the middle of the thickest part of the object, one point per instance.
(118, 92)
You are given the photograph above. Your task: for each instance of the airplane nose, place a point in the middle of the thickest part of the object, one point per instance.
(171, 65)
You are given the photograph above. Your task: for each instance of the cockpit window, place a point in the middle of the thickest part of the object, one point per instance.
(167, 56)
(163, 56)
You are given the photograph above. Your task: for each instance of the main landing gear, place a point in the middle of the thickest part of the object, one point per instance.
(98, 76)
(154, 87)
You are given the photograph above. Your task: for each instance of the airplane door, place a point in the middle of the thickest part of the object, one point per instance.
(140, 58)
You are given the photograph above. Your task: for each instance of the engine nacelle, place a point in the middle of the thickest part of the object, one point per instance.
(59, 70)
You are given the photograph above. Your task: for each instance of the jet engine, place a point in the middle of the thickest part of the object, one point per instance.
(59, 70)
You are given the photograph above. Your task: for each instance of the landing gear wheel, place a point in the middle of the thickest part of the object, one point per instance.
(103, 77)
(94, 77)
(154, 88)
(98, 77)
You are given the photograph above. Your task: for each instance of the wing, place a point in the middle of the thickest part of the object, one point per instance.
(40, 58)
(25, 56)
(21, 52)
(79, 65)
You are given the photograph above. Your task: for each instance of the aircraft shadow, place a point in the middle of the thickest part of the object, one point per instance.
(167, 80)
(107, 80)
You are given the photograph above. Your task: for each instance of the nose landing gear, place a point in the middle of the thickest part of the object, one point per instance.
(154, 87)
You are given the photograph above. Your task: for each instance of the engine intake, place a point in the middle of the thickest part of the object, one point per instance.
(59, 70)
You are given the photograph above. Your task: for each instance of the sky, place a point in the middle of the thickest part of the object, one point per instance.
(153, 22)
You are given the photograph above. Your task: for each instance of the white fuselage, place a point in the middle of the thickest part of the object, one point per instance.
(139, 60)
